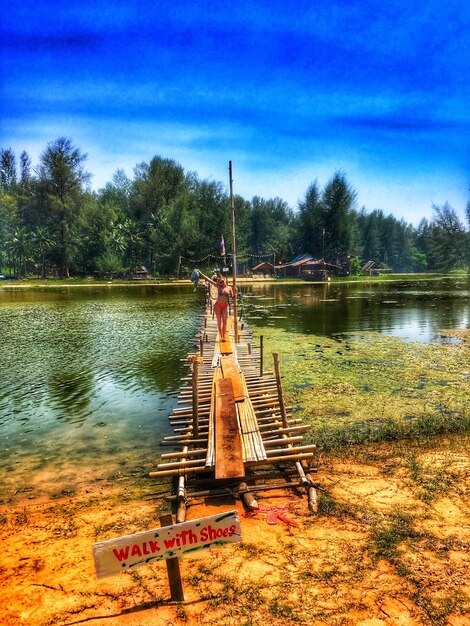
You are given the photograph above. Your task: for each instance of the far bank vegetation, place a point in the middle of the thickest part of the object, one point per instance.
(53, 224)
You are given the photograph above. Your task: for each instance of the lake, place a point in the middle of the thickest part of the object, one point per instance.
(89, 374)
(412, 310)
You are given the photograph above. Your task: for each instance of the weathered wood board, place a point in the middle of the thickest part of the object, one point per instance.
(230, 370)
(225, 345)
(228, 445)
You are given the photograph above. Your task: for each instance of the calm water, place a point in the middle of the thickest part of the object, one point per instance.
(88, 377)
(89, 374)
(413, 311)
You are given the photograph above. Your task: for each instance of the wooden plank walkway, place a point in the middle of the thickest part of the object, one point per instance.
(236, 412)
(241, 413)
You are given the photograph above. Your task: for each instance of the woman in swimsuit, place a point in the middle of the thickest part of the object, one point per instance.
(221, 305)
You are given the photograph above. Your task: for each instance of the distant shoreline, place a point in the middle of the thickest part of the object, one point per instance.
(55, 283)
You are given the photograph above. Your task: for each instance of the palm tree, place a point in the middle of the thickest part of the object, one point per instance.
(126, 238)
(41, 243)
(19, 246)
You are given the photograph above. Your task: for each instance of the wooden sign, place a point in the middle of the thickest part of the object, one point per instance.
(117, 555)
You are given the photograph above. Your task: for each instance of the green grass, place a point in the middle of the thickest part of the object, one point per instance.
(282, 610)
(32, 281)
(387, 536)
(438, 608)
(369, 387)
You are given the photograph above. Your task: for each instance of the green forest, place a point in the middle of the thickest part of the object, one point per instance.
(165, 218)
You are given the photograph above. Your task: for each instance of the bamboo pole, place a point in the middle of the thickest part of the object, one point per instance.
(268, 443)
(178, 464)
(189, 430)
(256, 382)
(291, 450)
(202, 399)
(262, 410)
(254, 376)
(234, 256)
(186, 471)
(312, 499)
(284, 458)
(181, 442)
(181, 511)
(196, 361)
(289, 429)
(227, 491)
(247, 498)
(280, 392)
(185, 437)
(184, 453)
(182, 421)
(187, 410)
(261, 351)
(264, 398)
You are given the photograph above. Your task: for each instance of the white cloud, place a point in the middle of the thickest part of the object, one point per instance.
(382, 182)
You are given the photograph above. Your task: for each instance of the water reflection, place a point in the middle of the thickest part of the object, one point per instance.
(87, 375)
(70, 394)
(411, 311)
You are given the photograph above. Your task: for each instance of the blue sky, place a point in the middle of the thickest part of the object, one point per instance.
(289, 91)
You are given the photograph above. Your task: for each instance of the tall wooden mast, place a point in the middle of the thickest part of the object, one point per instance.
(234, 256)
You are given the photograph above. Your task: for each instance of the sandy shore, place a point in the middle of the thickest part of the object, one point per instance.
(389, 546)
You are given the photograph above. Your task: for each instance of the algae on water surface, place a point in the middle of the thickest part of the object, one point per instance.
(368, 386)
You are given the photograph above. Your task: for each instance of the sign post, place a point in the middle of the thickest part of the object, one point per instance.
(173, 567)
(168, 542)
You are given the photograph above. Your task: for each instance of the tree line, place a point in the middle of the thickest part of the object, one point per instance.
(52, 223)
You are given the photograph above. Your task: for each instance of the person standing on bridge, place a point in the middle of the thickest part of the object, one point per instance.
(221, 305)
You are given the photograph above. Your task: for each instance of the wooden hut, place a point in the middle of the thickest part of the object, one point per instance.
(319, 269)
(293, 268)
(370, 269)
(140, 273)
(264, 268)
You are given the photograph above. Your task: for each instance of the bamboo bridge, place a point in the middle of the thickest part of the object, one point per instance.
(232, 428)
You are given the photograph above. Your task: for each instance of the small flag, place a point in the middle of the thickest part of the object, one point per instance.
(222, 245)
